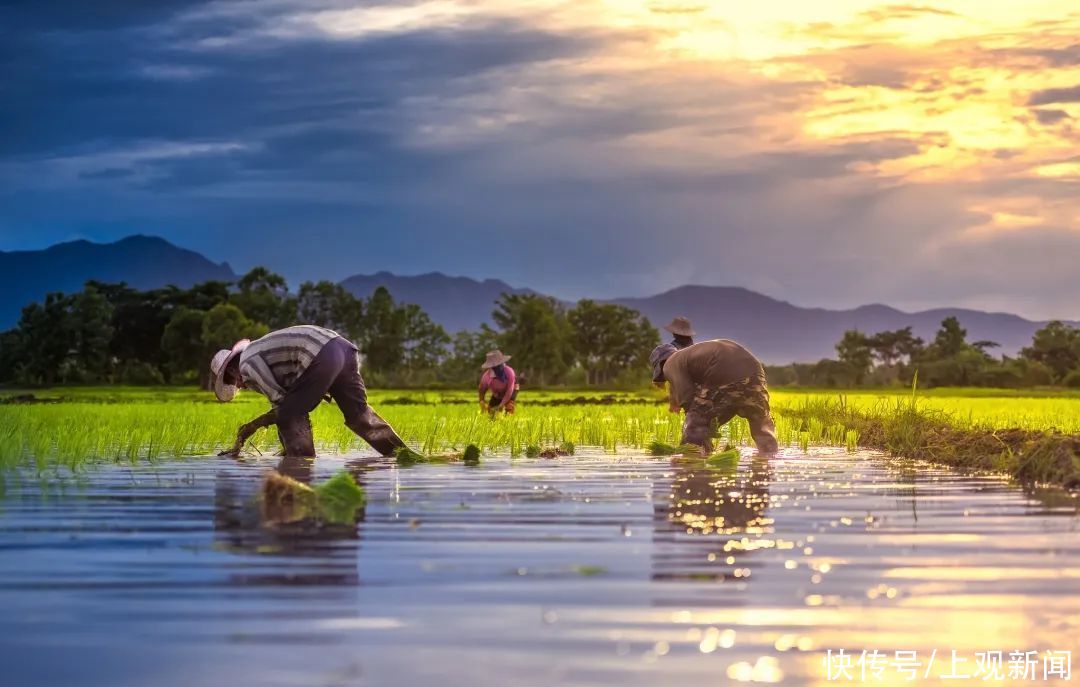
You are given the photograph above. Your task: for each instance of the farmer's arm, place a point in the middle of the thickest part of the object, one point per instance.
(680, 388)
(246, 430)
(484, 380)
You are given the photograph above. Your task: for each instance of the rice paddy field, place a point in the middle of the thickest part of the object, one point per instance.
(131, 554)
(73, 427)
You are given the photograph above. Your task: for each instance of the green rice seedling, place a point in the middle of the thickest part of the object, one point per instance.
(589, 570)
(471, 455)
(730, 455)
(407, 456)
(285, 499)
(340, 497)
(658, 448)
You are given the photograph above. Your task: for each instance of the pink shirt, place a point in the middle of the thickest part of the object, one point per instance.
(498, 387)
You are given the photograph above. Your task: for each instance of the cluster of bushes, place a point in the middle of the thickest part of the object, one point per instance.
(111, 333)
(896, 357)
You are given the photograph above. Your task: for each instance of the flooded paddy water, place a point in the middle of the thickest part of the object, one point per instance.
(621, 570)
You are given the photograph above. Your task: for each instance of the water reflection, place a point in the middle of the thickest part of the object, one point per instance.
(711, 520)
(249, 520)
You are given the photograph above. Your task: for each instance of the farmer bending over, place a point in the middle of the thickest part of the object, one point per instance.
(499, 378)
(713, 381)
(295, 368)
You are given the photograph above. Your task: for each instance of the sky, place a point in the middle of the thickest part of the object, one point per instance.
(829, 153)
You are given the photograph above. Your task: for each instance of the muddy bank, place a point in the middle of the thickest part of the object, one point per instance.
(1048, 457)
(26, 399)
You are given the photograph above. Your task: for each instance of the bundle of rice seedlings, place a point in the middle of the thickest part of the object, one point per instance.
(407, 456)
(471, 456)
(285, 499)
(339, 498)
(659, 448)
(729, 457)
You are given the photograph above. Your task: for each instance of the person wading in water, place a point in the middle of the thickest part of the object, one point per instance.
(713, 381)
(500, 380)
(295, 368)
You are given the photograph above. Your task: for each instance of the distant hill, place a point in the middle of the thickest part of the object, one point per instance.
(454, 302)
(779, 332)
(143, 262)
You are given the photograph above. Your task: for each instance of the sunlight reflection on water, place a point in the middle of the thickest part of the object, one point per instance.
(628, 570)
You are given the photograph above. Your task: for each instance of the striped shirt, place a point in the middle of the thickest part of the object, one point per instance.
(272, 364)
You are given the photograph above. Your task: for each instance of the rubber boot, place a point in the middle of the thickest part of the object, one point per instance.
(296, 437)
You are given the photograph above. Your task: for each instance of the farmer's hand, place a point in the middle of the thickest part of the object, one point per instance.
(242, 435)
(484, 407)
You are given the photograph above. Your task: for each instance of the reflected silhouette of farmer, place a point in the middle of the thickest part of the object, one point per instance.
(705, 506)
(295, 368)
(713, 381)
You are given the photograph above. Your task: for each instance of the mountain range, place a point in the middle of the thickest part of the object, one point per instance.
(777, 331)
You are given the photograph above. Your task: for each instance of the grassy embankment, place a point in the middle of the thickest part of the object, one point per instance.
(1031, 436)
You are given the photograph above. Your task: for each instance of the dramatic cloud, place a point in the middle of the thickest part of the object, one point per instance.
(830, 153)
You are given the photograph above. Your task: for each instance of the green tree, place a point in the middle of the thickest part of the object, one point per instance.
(203, 296)
(330, 305)
(610, 339)
(138, 319)
(950, 340)
(400, 341)
(467, 352)
(182, 346)
(1057, 345)
(425, 341)
(46, 341)
(892, 347)
(854, 351)
(225, 324)
(264, 297)
(11, 355)
(534, 329)
(91, 331)
(382, 339)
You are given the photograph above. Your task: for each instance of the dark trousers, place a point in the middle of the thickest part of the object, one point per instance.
(715, 407)
(334, 372)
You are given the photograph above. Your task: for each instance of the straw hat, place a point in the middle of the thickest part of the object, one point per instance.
(494, 359)
(680, 326)
(225, 392)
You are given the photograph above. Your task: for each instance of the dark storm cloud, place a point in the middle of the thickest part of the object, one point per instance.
(1049, 56)
(1053, 96)
(1049, 117)
(481, 145)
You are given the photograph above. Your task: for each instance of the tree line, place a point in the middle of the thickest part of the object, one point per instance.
(897, 356)
(112, 333)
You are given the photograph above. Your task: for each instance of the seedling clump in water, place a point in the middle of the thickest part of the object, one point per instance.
(288, 500)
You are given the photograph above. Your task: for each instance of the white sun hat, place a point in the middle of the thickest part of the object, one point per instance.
(225, 392)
